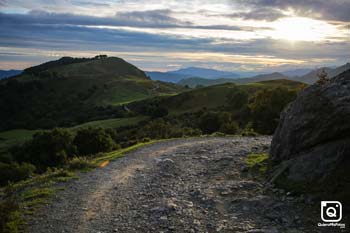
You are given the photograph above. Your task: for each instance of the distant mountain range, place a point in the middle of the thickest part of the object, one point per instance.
(190, 72)
(205, 73)
(308, 76)
(296, 72)
(311, 77)
(9, 73)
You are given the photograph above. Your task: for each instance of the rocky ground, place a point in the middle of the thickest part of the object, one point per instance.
(183, 185)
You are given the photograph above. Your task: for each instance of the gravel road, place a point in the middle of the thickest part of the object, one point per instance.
(182, 185)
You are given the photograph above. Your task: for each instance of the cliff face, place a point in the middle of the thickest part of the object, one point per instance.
(311, 146)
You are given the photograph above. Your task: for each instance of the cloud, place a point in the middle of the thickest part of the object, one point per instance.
(267, 14)
(161, 35)
(157, 17)
(91, 4)
(329, 10)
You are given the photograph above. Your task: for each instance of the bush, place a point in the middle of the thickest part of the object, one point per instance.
(157, 129)
(266, 106)
(14, 172)
(229, 128)
(89, 141)
(9, 216)
(237, 99)
(78, 163)
(248, 131)
(159, 112)
(47, 149)
(190, 132)
(209, 123)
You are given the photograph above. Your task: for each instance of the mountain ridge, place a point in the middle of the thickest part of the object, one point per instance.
(9, 73)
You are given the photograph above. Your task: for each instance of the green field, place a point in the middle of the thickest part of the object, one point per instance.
(14, 137)
(111, 123)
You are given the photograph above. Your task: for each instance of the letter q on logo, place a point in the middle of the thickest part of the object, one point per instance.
(331, 211)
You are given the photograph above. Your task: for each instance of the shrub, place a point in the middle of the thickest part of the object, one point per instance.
(248, 131)
(266, 106)
(89, 141)
(190, 132)
(237, 99)
(78, 163)
(47, 149)
(9, 216)
(14, 172)
(209, 123)
(146, 139)
(157, 129)
(159, 112)
(229, 128)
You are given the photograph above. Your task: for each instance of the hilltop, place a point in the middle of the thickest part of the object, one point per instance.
(74, 90)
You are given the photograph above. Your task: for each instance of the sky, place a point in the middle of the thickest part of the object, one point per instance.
(159, 35)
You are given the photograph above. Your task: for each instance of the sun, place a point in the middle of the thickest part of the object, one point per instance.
(302, 29)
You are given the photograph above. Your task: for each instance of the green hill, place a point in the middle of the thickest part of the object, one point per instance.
(212, 97)
(70, 91)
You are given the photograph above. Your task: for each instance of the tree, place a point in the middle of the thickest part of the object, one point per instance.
(209, 122)
(266, 105)
(47, 149)
(90, 141)
(158, 112)
(322, 77)
(237, 99)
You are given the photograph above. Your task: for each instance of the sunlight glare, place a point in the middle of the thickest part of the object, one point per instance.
(302, 29)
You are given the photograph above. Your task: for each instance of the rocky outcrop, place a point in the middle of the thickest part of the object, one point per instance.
(311, 146)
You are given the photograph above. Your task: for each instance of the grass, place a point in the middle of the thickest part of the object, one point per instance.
(14, 137)
(257, 163)
(111, 123)
(120, 153)
(27, 196)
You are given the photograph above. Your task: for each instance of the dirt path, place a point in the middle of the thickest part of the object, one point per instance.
(184, 185)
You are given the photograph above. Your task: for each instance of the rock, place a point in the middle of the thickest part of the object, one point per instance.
(312, 141)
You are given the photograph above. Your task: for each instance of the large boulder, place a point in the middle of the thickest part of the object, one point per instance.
(311, 146)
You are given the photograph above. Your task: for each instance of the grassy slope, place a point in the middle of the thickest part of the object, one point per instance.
(216, 96)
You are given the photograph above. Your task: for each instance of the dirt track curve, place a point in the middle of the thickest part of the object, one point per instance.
(182, 185)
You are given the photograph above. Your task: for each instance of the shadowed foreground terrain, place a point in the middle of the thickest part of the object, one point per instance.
(183, 185)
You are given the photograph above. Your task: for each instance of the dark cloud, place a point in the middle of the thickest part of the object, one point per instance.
(140, 19)
(338, 10)
(56, 37)
(268, 14)
(93, 4)
(65, 37)
(158, 17)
